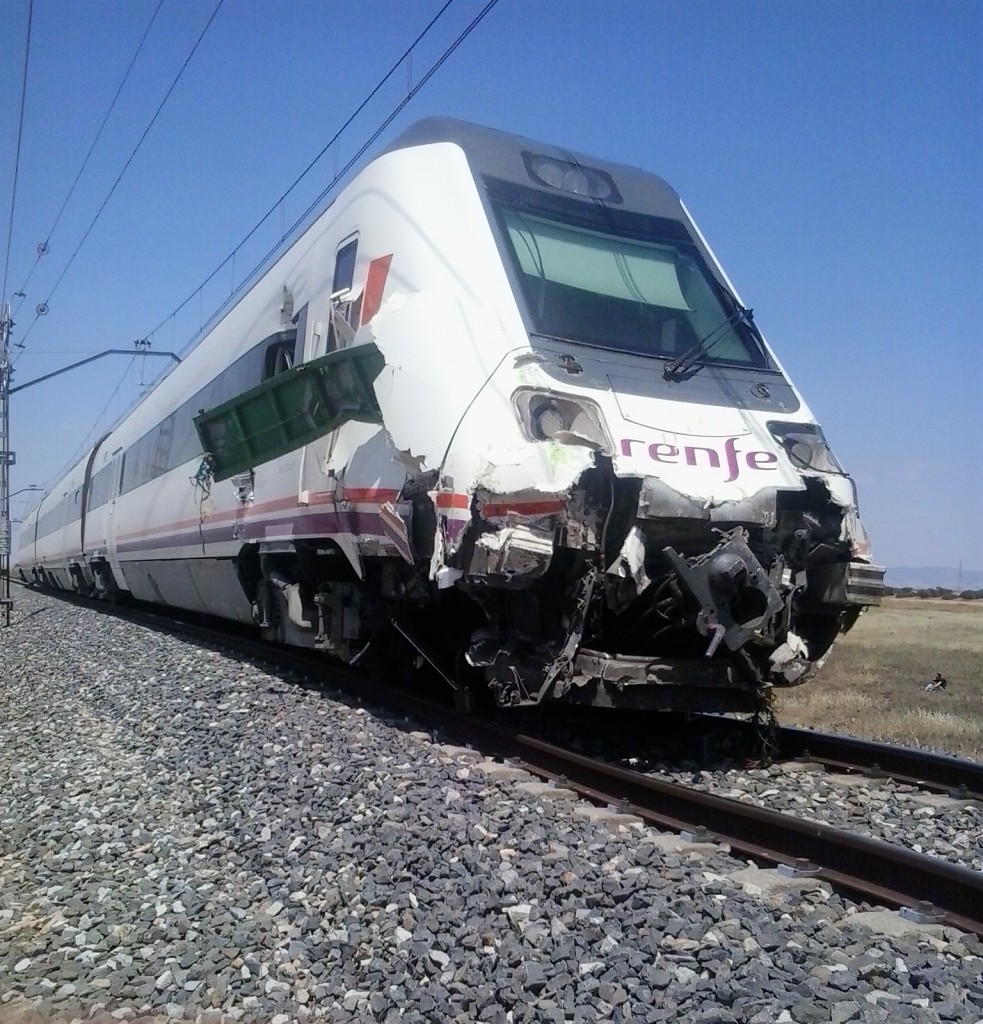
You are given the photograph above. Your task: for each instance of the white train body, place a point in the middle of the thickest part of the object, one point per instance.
(585, 477)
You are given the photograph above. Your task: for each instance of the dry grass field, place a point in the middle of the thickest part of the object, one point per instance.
(872, 684)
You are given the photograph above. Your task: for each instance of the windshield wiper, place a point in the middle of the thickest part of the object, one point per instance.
(691, 360)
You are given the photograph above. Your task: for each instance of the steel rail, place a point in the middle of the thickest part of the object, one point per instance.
(918, 767)
(925, 769)
(870, 869)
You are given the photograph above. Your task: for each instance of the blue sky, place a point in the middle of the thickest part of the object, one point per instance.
(830, 152)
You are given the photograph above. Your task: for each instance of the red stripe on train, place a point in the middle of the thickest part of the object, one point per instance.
(375, 285)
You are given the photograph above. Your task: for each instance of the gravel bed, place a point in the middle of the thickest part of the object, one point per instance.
(185, 836)
(941, 826)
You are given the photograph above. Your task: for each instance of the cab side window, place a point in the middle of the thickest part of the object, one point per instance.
(344, 267)
(279, 355)
(342, 315)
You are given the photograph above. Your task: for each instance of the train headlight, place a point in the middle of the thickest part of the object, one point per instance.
(806, 447)
(545, 416)
(547, 421)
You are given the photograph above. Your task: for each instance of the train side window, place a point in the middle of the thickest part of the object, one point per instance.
(280, 354)
(341, 304)
(344, 267)
(162, 447)
(99, 488)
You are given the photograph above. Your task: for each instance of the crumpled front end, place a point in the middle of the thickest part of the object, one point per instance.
(623, 591)
(583, 550)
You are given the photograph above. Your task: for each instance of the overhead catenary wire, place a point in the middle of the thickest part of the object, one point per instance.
(20, 135)
(95, 426)
(277, 206)
(129, 160)
(360, 153)
(338, 176)
(43, 247)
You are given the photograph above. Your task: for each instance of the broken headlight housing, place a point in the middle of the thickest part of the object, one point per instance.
(806, 446)
(546, 416)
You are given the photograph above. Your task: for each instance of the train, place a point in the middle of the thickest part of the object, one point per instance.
(498, 404)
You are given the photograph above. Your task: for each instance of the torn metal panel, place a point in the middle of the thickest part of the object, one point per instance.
(372, 472)
(350, 548)
(341, 446)
(791, 658)
(396, 530)
(854, 533)
(439, 353)
(290, 410)
(510, 466)
(659, 500)
(529, 504)
(517, 550)
(583, 523)
(840, 488)
(629, 570)
(622, 681)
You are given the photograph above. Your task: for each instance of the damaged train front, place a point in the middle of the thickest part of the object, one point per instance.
(620, 564)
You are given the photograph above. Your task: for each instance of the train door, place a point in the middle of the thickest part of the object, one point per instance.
(83, 565)
(317, 486)
(116, 483)
(318, 337)
(336, 333)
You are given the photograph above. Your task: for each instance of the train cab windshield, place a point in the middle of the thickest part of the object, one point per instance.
(618, 280)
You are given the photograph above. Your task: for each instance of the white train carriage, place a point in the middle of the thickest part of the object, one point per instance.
(53, 532)
(26, 566)
(503, 398)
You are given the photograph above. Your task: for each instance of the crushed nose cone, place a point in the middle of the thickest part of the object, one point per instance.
(735, 593)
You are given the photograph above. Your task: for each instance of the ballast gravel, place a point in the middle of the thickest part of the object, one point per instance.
(947, 827)
(186, 836)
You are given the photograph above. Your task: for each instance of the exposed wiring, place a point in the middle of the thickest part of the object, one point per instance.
(20, 134)
(201, 483)
(43, 248)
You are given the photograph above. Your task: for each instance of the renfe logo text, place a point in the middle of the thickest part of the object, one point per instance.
(697, 455)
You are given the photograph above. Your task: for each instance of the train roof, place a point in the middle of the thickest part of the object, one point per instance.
(504, 156)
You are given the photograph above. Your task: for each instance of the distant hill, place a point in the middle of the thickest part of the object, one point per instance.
(933, 576)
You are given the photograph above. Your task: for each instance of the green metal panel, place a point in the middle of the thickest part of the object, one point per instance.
(290, 410)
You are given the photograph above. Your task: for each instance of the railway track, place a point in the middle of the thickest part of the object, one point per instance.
(938, 773)
(926, 888)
